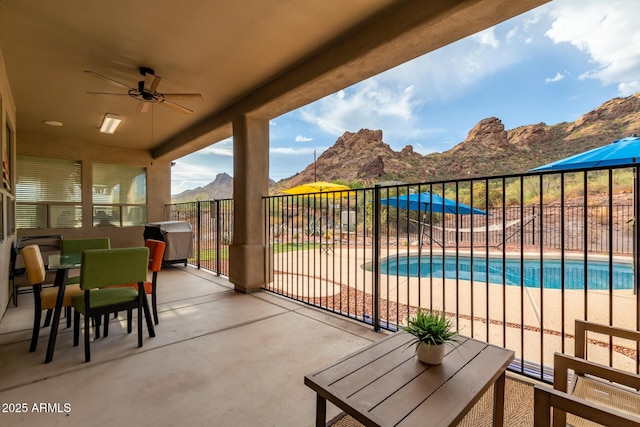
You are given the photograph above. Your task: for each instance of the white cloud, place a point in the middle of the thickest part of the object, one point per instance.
(487, 37)
(556, 78)
(629, 88)
(607, 32)
(396, 100)
(296, 150)
(301, 138)
(365, 105)
(222, 148)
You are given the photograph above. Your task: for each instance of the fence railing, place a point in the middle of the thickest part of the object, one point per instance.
(212, 225)
(513, 259)
(507, 257)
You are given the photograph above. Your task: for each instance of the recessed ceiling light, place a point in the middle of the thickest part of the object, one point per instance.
(52, 123)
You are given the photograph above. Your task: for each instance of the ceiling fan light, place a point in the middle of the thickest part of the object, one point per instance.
(110, 123)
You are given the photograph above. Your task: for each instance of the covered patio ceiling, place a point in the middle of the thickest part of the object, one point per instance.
(255, 57)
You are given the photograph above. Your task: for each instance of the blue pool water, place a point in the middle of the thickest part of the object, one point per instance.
(598, 272)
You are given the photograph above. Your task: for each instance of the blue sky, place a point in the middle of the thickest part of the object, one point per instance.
(549, 65)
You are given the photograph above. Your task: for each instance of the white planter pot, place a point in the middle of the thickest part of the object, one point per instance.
(430, 354)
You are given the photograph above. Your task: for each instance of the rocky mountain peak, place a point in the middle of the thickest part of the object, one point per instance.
(364, 139)
(488, 150)
(487, 132)
(528, 136)
(617, 108)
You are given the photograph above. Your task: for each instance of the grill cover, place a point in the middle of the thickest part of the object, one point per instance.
(176, 234)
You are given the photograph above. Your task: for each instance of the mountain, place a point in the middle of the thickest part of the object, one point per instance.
(220, 188)
(364, 159)
(488, 149)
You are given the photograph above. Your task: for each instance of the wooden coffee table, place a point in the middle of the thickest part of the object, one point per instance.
(385, 385)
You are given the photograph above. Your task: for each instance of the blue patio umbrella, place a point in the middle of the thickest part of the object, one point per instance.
(625, 151)
(429, 202)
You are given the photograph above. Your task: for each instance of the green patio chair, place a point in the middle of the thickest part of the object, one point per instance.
(74, 248)
(100, 270)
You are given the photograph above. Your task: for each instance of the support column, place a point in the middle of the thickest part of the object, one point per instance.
(250, 184)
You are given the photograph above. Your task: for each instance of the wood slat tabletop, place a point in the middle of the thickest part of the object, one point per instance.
(385, 385)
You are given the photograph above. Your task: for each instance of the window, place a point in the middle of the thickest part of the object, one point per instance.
(48, 193)
(119, 195)
(11, 217)
(7, 158)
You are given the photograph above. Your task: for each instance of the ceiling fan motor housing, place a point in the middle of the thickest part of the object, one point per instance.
(146, 95)
(146, 70)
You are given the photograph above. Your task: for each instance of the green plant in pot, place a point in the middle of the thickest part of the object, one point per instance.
(431, 330)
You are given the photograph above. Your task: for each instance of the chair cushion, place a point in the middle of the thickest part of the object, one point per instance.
(49, 295)
(105, 297)
(148, 287)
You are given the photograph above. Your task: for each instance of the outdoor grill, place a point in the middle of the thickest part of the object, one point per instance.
(177, 235)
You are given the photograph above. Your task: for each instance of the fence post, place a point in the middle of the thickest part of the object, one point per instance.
(217, 224)
(198, 233)
(636, 235)
(376, 258)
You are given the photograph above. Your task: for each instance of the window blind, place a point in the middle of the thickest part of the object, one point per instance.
(48, 180)
(119, 184)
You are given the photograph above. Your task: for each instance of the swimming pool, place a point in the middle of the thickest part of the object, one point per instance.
(598, 271)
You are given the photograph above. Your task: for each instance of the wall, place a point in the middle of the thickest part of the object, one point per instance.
(158, 184)
(7, 118)
(30, 144)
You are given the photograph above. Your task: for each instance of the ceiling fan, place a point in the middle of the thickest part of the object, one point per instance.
(147, 93)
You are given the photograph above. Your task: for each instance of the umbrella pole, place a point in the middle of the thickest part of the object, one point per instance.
(636, 205)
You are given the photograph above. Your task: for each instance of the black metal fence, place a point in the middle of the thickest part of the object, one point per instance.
(507, 257)
(212, 225)
(513, 259)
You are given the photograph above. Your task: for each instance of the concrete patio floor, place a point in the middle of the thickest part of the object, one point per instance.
(219, 358)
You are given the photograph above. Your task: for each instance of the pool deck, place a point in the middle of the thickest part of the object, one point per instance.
(493, 312)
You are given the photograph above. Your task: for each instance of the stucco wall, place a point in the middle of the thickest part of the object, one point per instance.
(8, 116)
(158, 184)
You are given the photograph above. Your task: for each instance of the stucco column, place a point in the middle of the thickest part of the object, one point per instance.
(250, 184)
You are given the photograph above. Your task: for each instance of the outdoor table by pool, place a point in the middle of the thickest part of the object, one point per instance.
(385, 385)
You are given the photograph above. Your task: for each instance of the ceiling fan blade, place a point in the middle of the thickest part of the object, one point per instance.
(143, 107)
(154, 84)
(175, 106)
(151, 82)
(184, 96)
(106, 93)
(100, 76)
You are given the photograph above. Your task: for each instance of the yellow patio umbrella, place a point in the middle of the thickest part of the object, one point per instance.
(316, 187)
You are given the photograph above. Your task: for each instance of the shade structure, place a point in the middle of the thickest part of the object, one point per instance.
(625, 151)
(429, 202)
(316, 187)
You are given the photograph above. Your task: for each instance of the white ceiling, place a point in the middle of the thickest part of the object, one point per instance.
(263, 57)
